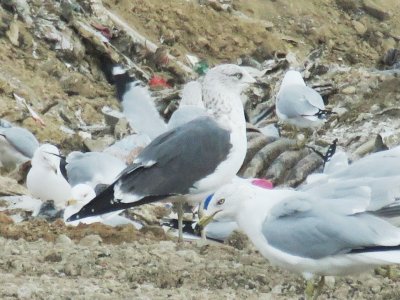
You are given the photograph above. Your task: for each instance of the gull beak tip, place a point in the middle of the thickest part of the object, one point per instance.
(205, 220)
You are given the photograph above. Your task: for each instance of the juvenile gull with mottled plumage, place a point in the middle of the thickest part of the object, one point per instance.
(191, 159)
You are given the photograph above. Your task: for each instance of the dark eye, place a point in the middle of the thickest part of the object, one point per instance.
(221, 201)
(238, 75)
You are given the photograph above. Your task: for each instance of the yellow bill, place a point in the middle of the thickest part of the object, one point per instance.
(207, 219)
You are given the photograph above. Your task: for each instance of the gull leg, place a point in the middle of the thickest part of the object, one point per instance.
(320, 286)
(312, 291)
(180, 220)
(202, 231)
(309, 291)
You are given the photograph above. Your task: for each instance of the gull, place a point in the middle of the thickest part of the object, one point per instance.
(81, 195)
(189, 160)
(379, 172)
(305, 234)
(137, 104)
(298, 104)
(45, 180)
(92, 168)
(221, 230)
(129, 147)
(190, 107)
(17, 145)
(218, 231)
(139, 109)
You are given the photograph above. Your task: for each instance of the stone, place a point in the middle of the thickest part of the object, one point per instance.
(91, 240)
(4, 219)
(330, 281)
(359, 27)
(53, 256)
(62, 239)
(374, 10)
(13, 33)
(349, 90)
(99, 144)
(10, 187)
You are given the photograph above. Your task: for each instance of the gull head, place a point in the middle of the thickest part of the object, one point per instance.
(82, 193)
(229, 77)
(224, 205)
(292, 77)
(47, 156)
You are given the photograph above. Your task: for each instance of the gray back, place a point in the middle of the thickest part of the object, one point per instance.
(181, 156)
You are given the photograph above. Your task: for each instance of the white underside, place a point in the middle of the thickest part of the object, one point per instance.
(344, 264)
(226, 170)
(302, 122)
(45, 184)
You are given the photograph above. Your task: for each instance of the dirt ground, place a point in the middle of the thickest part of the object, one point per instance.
(143, 266)
(42, 260)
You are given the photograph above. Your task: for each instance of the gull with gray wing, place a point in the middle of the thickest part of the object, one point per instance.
(298, 104)
(299, 232)
(189, 160)
(17, 145)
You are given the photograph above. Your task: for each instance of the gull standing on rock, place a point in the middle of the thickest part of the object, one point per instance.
(298, 104)
(189, 160)
(306, 234)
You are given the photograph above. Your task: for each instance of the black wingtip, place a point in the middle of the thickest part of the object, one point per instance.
(101, 204)
(121, 80)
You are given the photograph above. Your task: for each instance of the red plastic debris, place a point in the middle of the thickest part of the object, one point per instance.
(263, 183)
(104, 30)
(157, 81)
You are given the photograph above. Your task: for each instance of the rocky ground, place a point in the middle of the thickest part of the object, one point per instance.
(53, 55)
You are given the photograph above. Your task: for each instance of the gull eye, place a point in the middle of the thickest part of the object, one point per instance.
(238, 75)
(221, 201)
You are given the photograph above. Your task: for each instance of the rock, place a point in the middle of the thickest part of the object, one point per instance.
(391, 57)
(121, 128)
(71, 269)
(4, 219)
(359, 27)
(23, 10)
(53, 257)
(24, 292)
(91, 240)
(62, 239)
(10, 187)
(203, 42)
(77, 84)
(330, 281)
(111, 116)
(13, 33)
(99, 144)
(237, 240)
(155, 230)
(349, 90)
(189, 256)
(348, 5)
(90, 115)
(374, 10)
